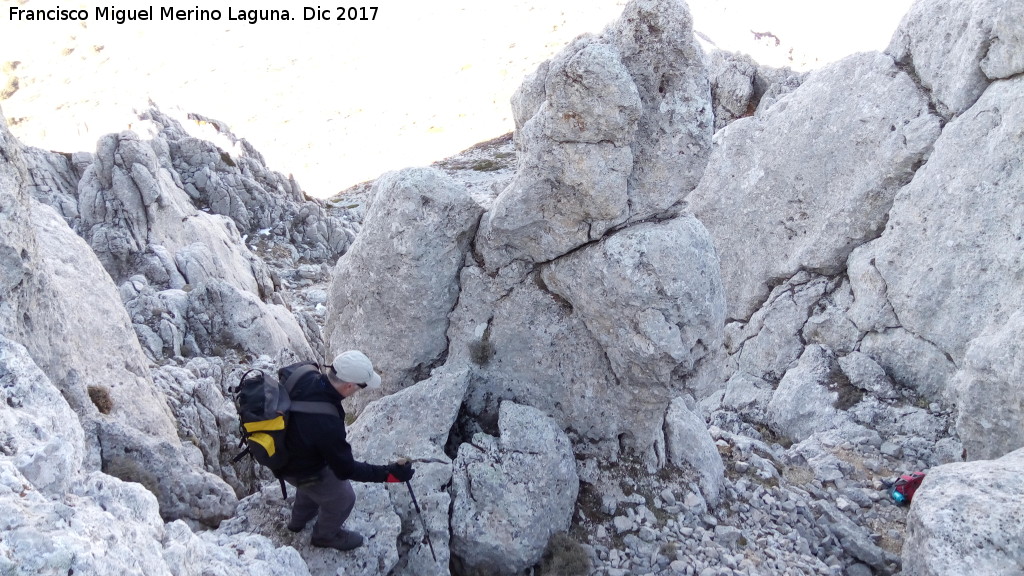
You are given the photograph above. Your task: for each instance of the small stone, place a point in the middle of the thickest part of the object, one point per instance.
(623, 524)
(668, 497)
(890, 449)
(693, 501)
(609, 504)
(859, 570)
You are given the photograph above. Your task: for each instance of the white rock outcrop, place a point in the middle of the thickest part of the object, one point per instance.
(59, 515)
(615, 128)
(967, 519)
(958, 47)
(948, 260)
(855, 133)
(91, 354)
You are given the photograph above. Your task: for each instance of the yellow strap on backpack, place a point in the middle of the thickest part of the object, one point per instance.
(265, 425)
(265, 440)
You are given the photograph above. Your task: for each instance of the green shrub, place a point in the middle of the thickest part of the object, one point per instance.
(565, 557)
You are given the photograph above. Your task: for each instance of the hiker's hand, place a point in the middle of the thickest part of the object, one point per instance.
(400, 472)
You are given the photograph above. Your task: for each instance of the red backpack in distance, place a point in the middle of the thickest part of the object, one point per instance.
(903, 489)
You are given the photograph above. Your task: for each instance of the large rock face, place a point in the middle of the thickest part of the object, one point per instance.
(91, 354)
(967, 519)
(524, 344)
(952, 249)
(392, 292)
(855, 133)
(601, 339)
(842, 301)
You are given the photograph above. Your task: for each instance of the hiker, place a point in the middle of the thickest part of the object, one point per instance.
(320, 464)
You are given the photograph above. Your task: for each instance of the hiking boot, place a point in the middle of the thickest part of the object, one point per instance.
(343, 540)
(294, 526)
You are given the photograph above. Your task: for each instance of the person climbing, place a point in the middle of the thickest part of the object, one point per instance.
(321, 465)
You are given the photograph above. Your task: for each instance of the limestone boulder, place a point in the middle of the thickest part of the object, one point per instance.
(615, 128)
(185, 490)
(511, 493)
(652, 296)
(966, 519)
(571, 185)
(740, 86)
(416, 424)
(656, 43)
(42, 438)
(855, 132)
(84, 346)
(990, 398)
(524, 343)
(957, 47)
(688, 443)
(601, 339)
(391, 294)
(812, 397)
(948, 264)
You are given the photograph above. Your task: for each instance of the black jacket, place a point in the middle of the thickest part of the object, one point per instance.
(318, 440)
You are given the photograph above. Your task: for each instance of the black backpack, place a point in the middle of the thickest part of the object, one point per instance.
(264, 405)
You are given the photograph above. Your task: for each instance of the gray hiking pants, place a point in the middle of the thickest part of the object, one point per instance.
(332, 498)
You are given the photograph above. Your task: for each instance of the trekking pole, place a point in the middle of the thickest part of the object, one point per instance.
(419, 512)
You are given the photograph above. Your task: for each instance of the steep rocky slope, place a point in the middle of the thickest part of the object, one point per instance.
(693, 313)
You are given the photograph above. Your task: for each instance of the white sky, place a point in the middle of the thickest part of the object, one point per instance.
(337, 103)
